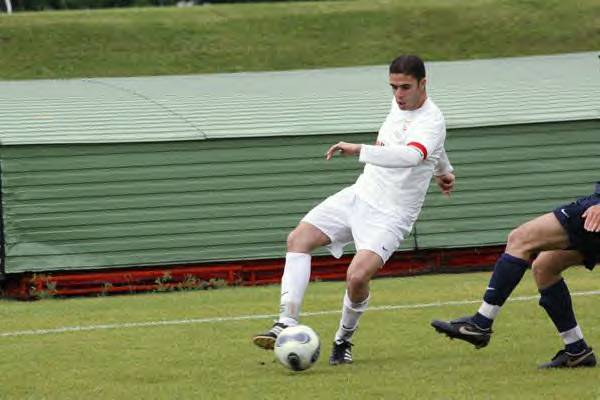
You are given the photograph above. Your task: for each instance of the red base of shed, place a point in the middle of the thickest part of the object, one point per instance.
(29, 286)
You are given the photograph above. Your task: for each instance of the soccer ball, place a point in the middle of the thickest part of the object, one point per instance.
(298, 347)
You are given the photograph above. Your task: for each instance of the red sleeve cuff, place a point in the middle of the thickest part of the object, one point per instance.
(419, 147)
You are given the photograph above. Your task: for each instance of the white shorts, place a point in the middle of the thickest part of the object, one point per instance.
(346, 218)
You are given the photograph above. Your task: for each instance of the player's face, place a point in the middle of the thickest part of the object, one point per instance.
(409, 93)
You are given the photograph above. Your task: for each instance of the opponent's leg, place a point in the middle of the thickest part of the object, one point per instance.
(556, 300)
(542, 233)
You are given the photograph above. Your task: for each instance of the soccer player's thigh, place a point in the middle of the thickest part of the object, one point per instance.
(550, 264)
(542, 233)
(327, 223)
(307, 235)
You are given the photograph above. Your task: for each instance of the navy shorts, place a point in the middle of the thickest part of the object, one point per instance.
(587, 243)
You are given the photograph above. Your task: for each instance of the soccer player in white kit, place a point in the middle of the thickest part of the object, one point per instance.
(377, 212)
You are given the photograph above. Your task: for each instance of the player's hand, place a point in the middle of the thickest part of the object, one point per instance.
(347, 149)
(592, 219)
(446, 183)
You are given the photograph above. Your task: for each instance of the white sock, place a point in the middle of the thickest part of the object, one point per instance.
(351, 313)
(572, 335)
(489, 311)
(296, 275)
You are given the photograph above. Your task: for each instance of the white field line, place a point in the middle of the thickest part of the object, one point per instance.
(123, 325)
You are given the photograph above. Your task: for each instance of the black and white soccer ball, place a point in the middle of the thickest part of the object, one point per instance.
(298, 347)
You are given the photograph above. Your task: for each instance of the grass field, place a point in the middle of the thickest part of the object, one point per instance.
(205, 352)
(281, 36)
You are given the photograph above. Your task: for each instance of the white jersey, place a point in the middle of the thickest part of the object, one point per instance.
(400, 192)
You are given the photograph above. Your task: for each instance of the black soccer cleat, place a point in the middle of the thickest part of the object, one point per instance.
(464, 329)
(341, 352)
(267, 340)
(562, 359)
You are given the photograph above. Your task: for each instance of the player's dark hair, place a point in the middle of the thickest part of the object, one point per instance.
(408, 65)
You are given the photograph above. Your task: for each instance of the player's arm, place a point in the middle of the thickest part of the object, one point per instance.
(344, 148)
(423, 138)
(383, 156)
(444, 174)
(397, 156)
(427, 137)
(592, 219)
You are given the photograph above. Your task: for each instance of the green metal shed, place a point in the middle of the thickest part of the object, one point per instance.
(130, 172)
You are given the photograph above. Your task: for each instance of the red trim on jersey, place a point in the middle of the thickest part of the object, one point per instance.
(419, 147)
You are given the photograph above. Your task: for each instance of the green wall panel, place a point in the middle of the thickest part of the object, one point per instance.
(84, 206)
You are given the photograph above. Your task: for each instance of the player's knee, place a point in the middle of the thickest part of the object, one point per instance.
(357, 280)
(299, 241)
(545, 273)
(516, 236)
(538, 271)
(519, 239)
(294, 240)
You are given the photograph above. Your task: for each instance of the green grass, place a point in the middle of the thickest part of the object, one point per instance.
(281, 36)
(397, 355)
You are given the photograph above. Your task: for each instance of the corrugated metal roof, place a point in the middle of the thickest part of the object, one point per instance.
(306, 102)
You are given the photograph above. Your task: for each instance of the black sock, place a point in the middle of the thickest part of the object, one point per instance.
(556, 300)
(482, 321)
(508, 272)
(506, 276)
(576, 347)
